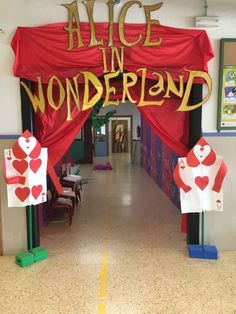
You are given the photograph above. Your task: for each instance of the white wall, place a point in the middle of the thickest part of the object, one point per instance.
(177, 13)
(221, 227)
(14, 229)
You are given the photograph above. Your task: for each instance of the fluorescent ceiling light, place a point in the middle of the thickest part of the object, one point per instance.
(207, 21)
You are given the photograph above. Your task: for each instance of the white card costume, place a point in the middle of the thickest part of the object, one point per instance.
(200, 176)
(26, 172)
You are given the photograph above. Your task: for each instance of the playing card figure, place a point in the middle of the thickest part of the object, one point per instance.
(200, 177)
(26, 169)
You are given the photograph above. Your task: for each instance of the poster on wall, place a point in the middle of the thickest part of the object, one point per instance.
(228, 98)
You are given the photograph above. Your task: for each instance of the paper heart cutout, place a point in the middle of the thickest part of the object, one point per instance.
(202, 182)
(27, 144)
(20, 165)
(22, 193)
(201, 152)
(35, 164)
(36, 190)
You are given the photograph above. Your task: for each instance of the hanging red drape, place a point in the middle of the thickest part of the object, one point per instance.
(42, 51)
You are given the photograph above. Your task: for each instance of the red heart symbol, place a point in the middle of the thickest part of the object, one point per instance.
(35, 164)
(36, 190)
(20, 165)
(9, 158)
(202, 182)
(22, 193)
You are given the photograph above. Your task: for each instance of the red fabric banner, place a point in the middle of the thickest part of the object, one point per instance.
(42, 51)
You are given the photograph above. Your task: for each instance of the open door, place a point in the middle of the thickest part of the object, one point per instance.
(120, 136)
(101, 141)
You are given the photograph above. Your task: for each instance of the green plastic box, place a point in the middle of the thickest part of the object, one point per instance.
(24, 259)
(39, 253)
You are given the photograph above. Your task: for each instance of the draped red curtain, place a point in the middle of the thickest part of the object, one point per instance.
(42, 51)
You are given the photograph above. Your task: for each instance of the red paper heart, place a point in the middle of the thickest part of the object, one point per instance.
(202, 182)
(35, 164)
(36, 190)
(20, 165)
(22, 193)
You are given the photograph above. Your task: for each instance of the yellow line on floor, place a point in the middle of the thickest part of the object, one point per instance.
(104, 265)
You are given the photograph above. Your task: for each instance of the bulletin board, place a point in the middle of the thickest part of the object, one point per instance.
(227, 88)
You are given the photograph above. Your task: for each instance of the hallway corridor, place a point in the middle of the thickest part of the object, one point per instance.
(123, 254)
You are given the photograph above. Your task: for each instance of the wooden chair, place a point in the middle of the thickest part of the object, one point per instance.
(70, 180)
(55, 202)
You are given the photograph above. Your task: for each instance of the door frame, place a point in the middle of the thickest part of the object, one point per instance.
(195, 133)
(131, 128)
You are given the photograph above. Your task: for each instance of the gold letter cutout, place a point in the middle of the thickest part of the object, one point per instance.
(62, 93)
(121, 24)
(142, 101)
(171, 87)
(184, 105)
(158, 87)
(109, 89)
(89, 4)
(73, 14)
(37, 101)
(119, 58)
(90, 77)
(110, 4)
(126, 86)
(105, 69)
(74, 91)
(148, 9)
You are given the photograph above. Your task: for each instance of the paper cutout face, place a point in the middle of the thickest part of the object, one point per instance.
(201, 153)
(27, 145)
(182, 164)
(219, 204)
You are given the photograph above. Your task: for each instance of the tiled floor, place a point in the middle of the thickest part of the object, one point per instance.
(123, 254)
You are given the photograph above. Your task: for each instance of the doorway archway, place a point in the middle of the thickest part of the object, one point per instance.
(50, 122)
